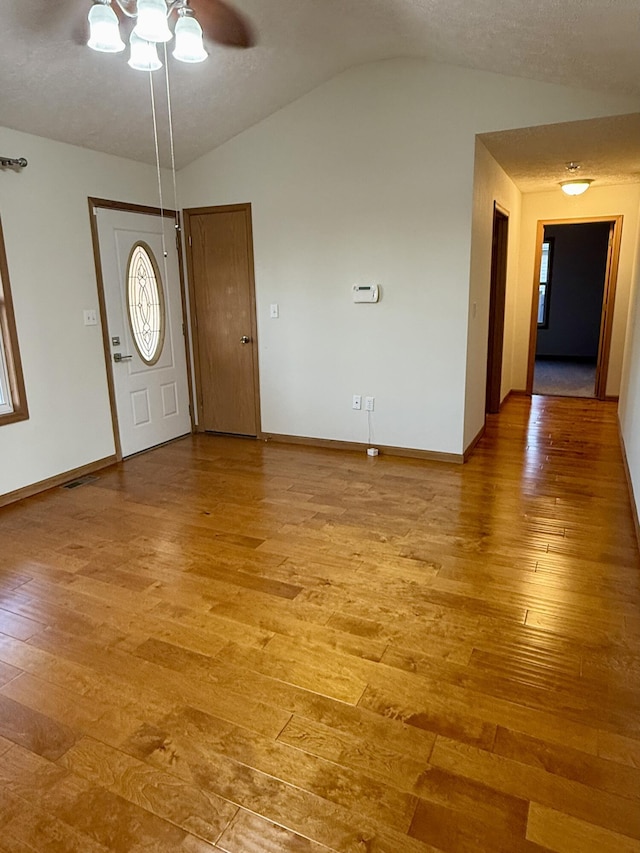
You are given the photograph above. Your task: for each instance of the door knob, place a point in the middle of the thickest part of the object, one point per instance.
(117, 356)
(245, 339)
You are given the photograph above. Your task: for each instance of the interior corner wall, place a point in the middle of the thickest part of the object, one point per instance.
(369, 179)
(491, 184)
(629, 408)
(598, 201)
(45, 219)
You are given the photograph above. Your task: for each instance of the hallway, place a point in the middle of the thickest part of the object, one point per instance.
(258, 648)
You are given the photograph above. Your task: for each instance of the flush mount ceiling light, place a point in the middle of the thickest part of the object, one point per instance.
(151, 20)
(575, 186)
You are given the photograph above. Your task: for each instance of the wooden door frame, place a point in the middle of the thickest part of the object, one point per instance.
(497, 305)
(244, 207)
(608, 297)
(107, 204)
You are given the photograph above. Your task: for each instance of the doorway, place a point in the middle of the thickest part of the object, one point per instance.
(499, 248)
(223, 312)
(572, 307)
(141, 299)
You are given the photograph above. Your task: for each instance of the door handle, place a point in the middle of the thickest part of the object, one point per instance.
(245, 339)
(117, 356)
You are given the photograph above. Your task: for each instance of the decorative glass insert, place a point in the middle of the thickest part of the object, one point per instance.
(145, 303)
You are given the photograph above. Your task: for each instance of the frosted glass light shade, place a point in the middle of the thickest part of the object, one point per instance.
(144, 54)
(189, 47)
(575, 187)
(152, 21)
(104, 32)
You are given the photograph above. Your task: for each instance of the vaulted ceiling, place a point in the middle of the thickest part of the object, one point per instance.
(56, 88)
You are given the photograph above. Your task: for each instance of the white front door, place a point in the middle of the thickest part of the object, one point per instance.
(145, 327)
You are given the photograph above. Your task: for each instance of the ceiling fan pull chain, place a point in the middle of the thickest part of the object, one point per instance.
(173, 156)
(158, 170)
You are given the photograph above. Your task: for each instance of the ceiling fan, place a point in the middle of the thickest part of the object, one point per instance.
(145, 23)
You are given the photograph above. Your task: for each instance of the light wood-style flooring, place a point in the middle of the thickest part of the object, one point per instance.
(256, 648)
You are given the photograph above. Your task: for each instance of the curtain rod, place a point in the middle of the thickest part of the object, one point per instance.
(13, 161)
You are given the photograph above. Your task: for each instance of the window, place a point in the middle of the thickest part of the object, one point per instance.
(545, 283)
(145, 302)
(13, 401)
(6, 405)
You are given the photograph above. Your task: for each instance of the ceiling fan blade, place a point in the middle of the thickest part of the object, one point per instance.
(222, 24)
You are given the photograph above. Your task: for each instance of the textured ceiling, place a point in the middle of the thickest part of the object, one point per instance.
(58, 89)
(607, 150)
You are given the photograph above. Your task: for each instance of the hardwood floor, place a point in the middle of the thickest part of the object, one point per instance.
(226, 645)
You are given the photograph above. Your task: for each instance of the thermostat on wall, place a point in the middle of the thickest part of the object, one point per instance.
(365, 292)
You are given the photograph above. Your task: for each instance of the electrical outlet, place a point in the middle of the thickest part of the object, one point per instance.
(369, 403)
(357, 402)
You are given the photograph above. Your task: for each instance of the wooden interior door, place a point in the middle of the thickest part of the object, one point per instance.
(496, 310)
(220, 260)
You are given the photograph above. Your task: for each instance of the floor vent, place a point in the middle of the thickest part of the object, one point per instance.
(81, 481)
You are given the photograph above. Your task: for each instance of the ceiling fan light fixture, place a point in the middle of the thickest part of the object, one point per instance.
(575, 187)
(189, 46)
(144, 54)
(152, 21)
(104, 32)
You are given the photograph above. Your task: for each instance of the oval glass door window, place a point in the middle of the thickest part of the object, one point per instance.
(145, 303)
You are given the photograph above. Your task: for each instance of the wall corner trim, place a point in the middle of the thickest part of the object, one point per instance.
(474, 441)
(58, 480)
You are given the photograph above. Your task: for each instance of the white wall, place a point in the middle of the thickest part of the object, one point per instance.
(491, 184)
(45, 220)
(598, 201)
(629, 409)
(369, 178)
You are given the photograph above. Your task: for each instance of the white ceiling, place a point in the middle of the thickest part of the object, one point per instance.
(607, 150)
(55, 88)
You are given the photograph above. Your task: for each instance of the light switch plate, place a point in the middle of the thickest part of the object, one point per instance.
(90, 317)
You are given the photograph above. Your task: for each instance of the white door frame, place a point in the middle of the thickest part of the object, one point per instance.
(94, 205)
